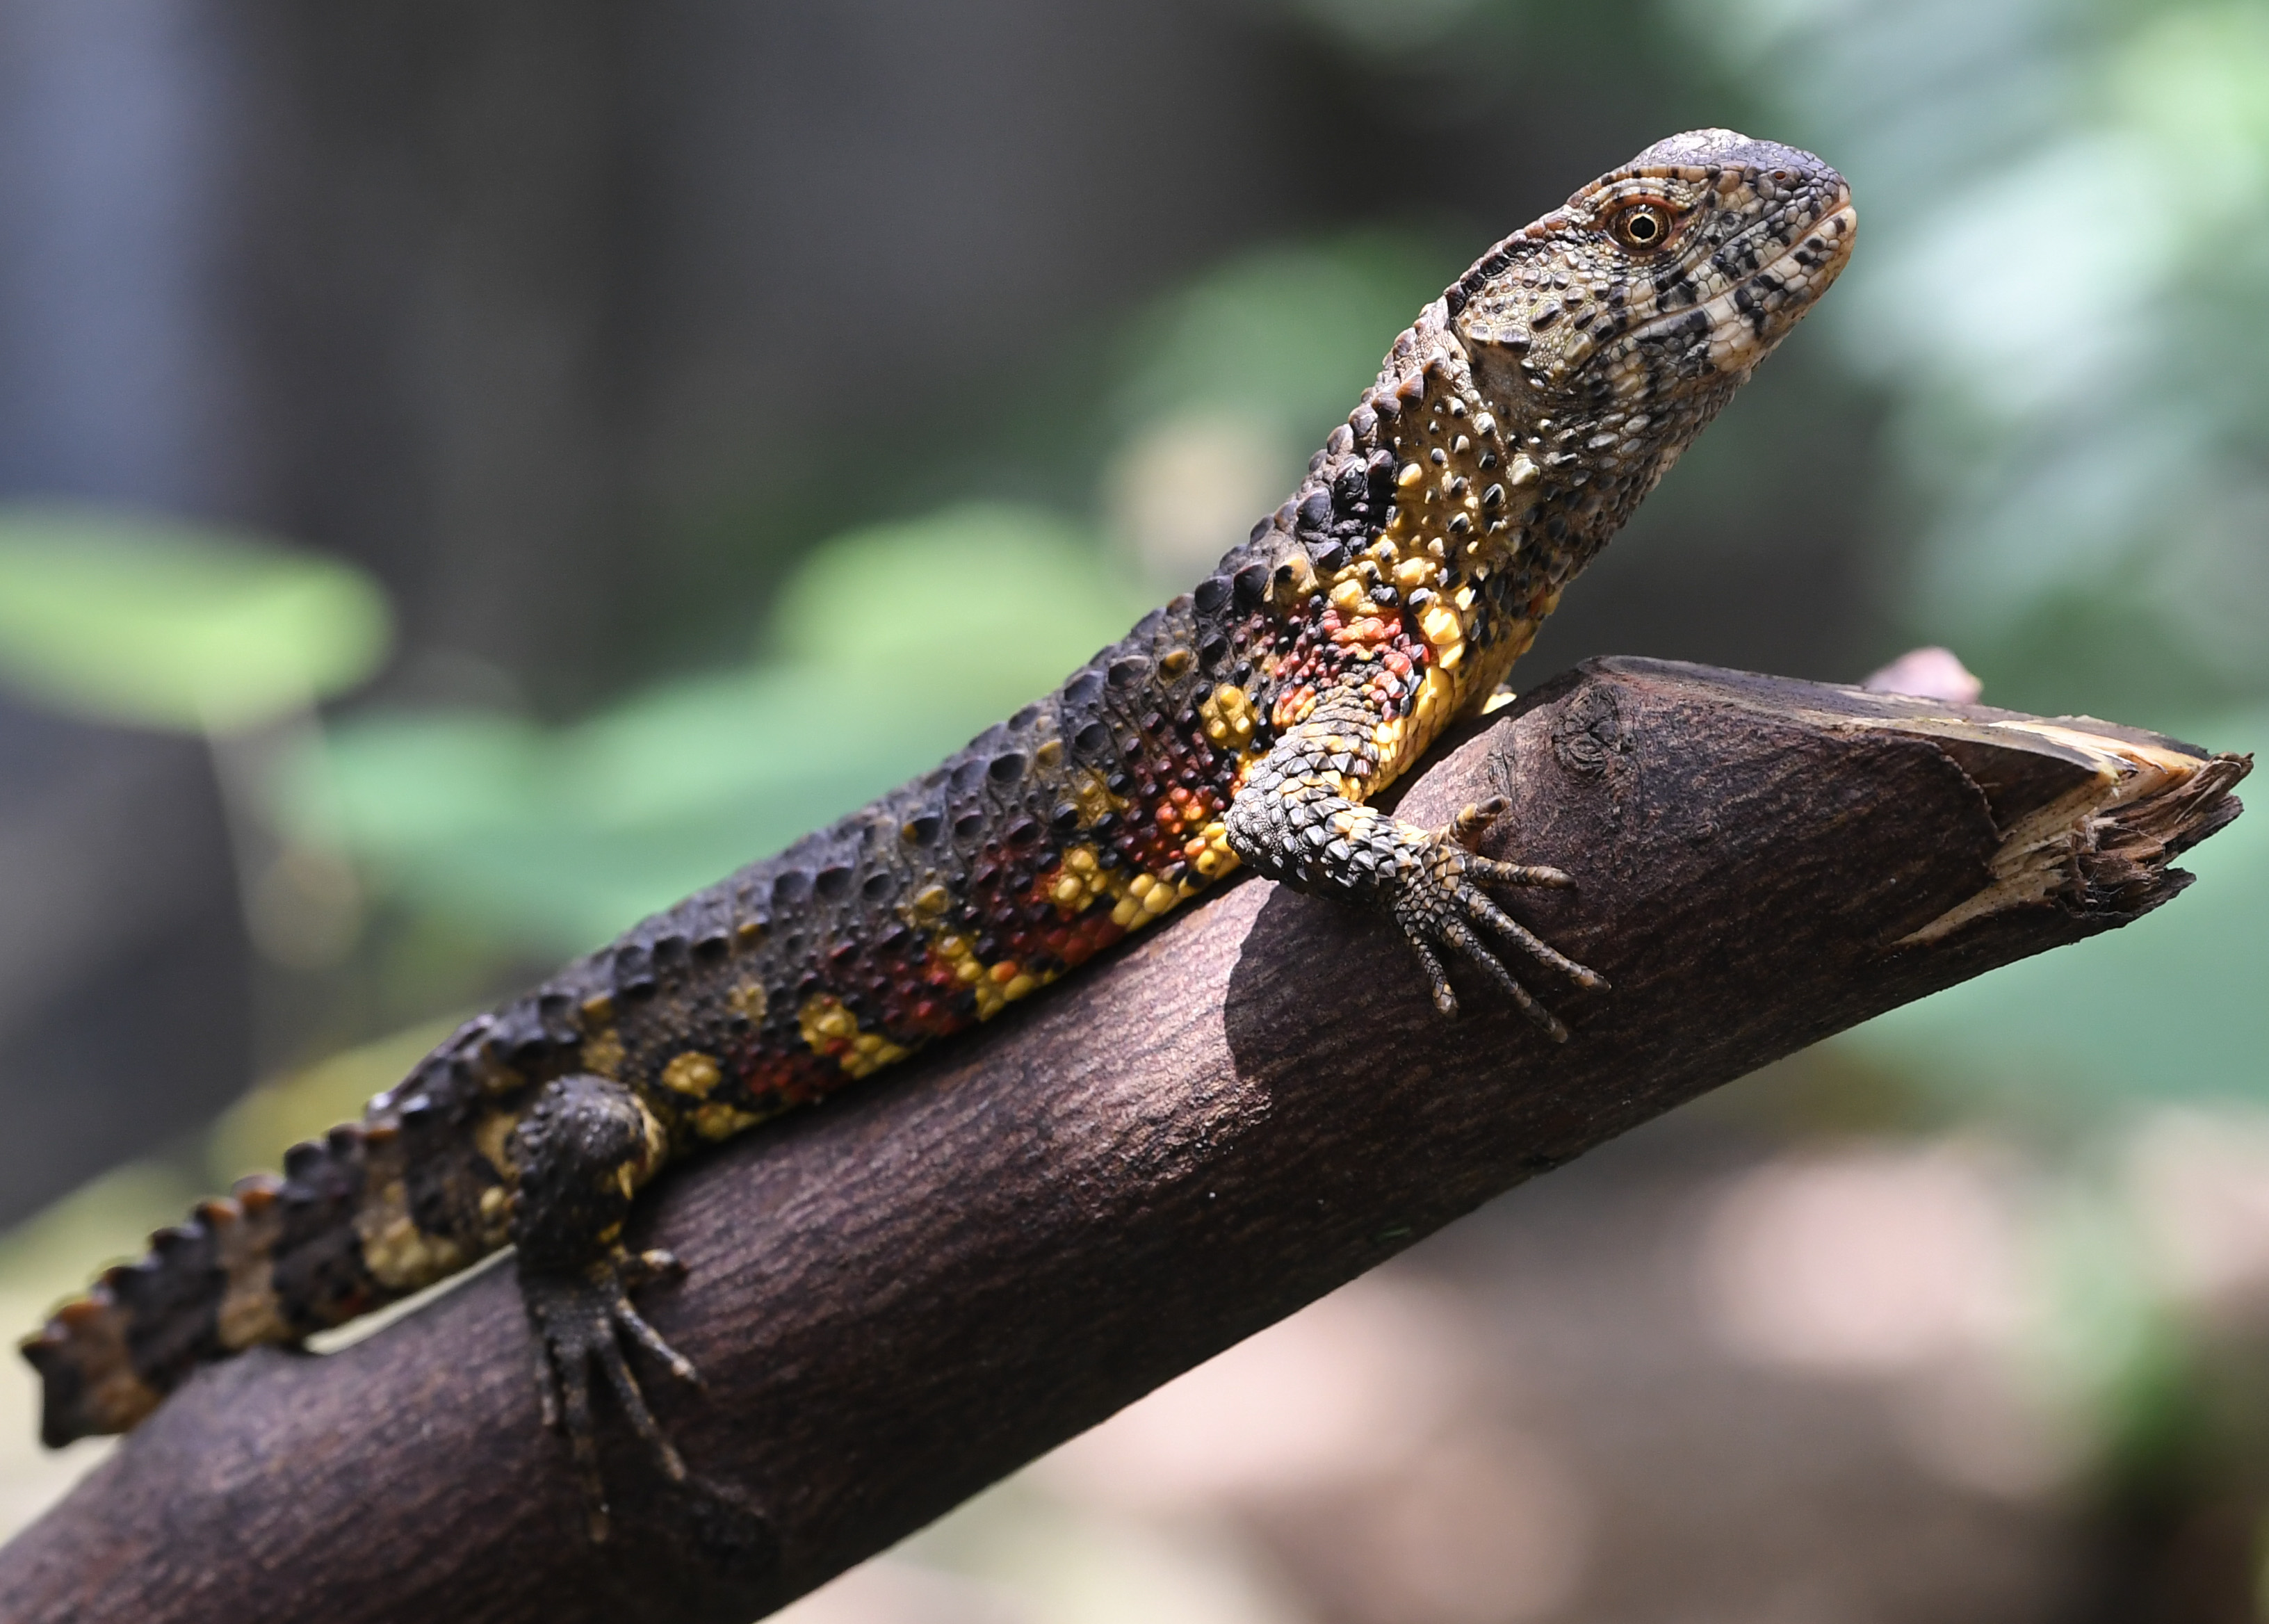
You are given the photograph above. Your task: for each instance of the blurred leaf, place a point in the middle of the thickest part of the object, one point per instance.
(2080, 412)
(152, 624)
(1227, 384)
(986, 594)
(1289, 334)
(893, 645)
(413, 776)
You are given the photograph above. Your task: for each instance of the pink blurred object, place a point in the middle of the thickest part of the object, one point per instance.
(1927, 674)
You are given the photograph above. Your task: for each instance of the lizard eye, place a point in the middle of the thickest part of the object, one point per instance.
(1642, 226)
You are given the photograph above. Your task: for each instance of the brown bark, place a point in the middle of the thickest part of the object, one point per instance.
(901, 1296)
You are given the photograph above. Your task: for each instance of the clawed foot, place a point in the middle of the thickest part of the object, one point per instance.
(580, 1321)
(1443, 906)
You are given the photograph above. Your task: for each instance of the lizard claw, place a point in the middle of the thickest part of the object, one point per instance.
(581, 1322)
(644, 1269)
(1442, 905)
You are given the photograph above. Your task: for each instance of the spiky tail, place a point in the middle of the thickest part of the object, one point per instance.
(274, 1261)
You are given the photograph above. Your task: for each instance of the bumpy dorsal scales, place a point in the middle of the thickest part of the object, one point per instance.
(1248, 723)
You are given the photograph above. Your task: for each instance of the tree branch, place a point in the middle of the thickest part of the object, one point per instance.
(901, 1296)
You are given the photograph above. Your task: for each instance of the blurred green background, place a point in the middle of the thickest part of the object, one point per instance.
(476, 473)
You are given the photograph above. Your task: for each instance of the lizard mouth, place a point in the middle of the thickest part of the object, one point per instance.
(1818, 257)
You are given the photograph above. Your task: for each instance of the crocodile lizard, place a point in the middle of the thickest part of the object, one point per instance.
(1247, 724)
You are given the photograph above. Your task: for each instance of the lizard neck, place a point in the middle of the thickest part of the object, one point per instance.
(1465, 559)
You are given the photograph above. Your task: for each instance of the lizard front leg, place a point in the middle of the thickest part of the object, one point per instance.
(582, 1152)
(1299, 818)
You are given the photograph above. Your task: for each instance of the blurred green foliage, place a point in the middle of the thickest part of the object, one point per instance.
(2064, 244)
(1290, 335)
(155, 623)
(886, 649)
(2064, 249)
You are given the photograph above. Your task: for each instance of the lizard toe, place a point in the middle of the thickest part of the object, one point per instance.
(1470, 948)
(1483, 909)
(634, 1324)
(1438, 976)
(644, 1268)
(632, 1400)
(1472, 822)
(569, 1370)
(1491, 872)
(583, 1321)
(1441, 907)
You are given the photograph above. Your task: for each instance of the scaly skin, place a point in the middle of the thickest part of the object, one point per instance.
(1511, 430)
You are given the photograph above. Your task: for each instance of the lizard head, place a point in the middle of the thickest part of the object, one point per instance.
(1608, 332)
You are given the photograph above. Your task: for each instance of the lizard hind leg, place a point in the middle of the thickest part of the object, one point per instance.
(582, 1151)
